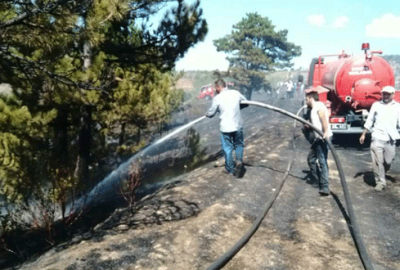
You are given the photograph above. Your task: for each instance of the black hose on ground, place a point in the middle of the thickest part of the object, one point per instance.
(227, 256)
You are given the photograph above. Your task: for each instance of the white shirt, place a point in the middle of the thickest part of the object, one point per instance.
(289, 87)
(227, 102)
(318, 106)
(383, 120)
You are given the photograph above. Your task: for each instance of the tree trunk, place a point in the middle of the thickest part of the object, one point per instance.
(60, 150)
(60, 157)
(84, 141)
(247, 92)
(84, 136)
(138, 135)
(122, 134)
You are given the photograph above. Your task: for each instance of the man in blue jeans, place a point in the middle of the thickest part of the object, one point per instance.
(227, 103)
(319, 117)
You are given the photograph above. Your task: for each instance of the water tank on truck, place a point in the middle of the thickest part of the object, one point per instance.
(349, 86)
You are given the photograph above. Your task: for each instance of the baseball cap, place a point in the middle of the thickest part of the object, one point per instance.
(388, 89)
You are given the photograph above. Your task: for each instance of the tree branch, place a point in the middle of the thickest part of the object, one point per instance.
(48, 8)
(57, 77)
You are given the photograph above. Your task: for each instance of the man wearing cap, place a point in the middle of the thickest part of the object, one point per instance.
(382, 121)
(319, 149)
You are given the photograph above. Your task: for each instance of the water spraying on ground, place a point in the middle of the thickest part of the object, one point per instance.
(110, 185)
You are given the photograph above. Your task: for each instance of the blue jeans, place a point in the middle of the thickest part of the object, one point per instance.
(320, 171)
(232, 141)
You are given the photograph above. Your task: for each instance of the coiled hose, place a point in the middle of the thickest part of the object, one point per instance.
(228, 255)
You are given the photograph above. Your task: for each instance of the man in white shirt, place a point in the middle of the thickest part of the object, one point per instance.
(319, 148)
(289, 90)
(300, 90)
(227, 103)
(382, 121)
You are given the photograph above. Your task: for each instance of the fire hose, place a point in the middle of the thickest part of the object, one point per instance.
(358, 240)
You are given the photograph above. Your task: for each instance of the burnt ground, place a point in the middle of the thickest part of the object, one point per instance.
(203, 212)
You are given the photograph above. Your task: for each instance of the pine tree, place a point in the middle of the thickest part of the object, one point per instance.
(80, 70)
(22, 139)
(256, 48)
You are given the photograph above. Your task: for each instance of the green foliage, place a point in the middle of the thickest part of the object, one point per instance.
(192, 142)
(394, 61)
(393, 57)
(83, 71)
(256, 48)
(140, 100)
(22, 139)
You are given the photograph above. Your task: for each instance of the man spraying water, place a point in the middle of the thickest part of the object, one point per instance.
(227, 103)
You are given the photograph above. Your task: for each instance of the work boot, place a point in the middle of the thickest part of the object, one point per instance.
(238, 169)
(226, 172)
(324, 191)
(379, 187)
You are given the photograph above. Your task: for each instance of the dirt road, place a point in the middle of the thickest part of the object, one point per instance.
(204, 212)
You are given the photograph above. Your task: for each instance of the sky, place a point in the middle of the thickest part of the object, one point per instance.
(319, 27)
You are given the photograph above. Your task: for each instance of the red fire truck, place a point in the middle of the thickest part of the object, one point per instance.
(207, 91)
(349, 86)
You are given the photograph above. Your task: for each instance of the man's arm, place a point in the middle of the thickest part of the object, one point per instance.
(242, 98)
(213, 109)
(371, 117)
(398, 116)
(307, 116)
(368, 124)
(362, 137)
(324, 123)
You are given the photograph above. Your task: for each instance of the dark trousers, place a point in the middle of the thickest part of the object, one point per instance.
(320, 170)
(232, 141)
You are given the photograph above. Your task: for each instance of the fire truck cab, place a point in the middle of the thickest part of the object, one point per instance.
(207, 91)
